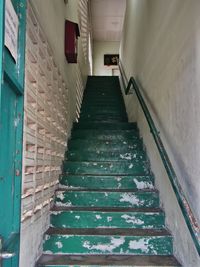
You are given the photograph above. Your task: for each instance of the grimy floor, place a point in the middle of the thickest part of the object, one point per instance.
(107, 210)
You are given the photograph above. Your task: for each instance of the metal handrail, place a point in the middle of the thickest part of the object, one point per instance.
(188, 215)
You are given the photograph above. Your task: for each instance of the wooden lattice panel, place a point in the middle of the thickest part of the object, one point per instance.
(46, 122)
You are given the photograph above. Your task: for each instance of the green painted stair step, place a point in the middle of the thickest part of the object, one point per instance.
(105, 260)
(117, 126)
(106, 109)
(108, 241)
(106, 168)
(76, 155)
(110, 145)
(105, 134)
(107, 219)
(99, 107)
(89, 198)
(102, 117)
(97, 119)
(106, 120)
(102, 100)
(107, 182)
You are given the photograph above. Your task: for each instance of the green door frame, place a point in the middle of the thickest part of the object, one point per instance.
(11, 137)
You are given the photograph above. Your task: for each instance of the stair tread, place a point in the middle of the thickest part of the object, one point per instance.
(108, 260)
(108, 231)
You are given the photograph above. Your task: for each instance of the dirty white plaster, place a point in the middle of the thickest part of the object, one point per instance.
(161, 48)
(101, 48)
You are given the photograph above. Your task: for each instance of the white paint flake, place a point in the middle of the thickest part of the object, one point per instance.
(141, 244)
(98, 217)
(132, 199)
(109, 247)
(77, 217)
(59, 244)
(119, 185)
(66, 204)
(56, 212)
(142, 185)
(109, 219)
(130, 166)
(126, 156)
(61, 196)
(47, 237)
(132, 219)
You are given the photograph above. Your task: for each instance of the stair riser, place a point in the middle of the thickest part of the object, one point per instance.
(101, 100)
(132, 136)
(103, 112)
(107, 199)
(76, 155)
(109, 182)
(106, 146)
(107, 120)
(102, 118)
(124, 245)
(95, 219)
(113, 126)
(103, 168)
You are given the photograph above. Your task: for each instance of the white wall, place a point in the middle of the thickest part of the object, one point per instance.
(99, 49)
(52, 15)
(161, 47)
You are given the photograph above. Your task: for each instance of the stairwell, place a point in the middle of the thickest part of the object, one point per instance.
(107, 210)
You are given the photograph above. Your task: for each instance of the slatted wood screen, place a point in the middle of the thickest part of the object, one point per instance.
(84, 26)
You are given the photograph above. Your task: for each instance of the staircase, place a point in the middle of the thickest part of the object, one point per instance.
(107, 210)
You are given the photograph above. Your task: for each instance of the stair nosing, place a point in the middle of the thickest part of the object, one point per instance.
(153, 190)
(107, 209)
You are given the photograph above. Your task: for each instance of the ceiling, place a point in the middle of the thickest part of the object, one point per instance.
(107, 19)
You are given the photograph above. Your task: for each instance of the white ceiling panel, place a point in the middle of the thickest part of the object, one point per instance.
(107, 19)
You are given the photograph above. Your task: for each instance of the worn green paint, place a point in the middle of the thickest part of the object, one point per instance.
(136, 199)
(94, 219)
(106, 168)
(97, 125)
(105, 135)
(107, 182)
(90, 145)
(11, 117)
(76, 155)
(106, 185)
(95, 244)
(99, 111)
